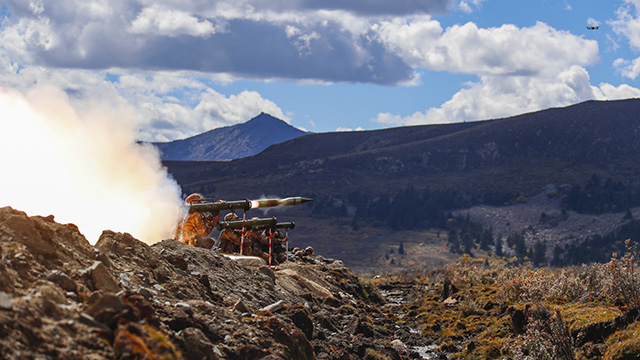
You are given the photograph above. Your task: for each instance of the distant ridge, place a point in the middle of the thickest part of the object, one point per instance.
(231, 142)
(520, 153)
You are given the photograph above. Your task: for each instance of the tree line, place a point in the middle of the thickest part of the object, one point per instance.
(411, 208)
(599, 196)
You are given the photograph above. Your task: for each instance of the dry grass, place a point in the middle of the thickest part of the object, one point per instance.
(520, 312)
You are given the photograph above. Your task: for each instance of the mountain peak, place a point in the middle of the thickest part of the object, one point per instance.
(264, 118)
(231, 142)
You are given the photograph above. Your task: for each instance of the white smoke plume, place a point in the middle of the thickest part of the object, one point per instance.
(80, 162)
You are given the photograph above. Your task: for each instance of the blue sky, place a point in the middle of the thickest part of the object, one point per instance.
(184, 67)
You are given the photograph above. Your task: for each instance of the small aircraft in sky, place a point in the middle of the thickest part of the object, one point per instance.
(593, 27)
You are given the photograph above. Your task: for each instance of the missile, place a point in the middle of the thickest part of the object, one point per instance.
(245, 204)
(296, 200)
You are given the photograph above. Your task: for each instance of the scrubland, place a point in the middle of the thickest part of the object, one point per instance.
(493, 309)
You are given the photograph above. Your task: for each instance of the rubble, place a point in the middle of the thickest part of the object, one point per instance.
(60, 297)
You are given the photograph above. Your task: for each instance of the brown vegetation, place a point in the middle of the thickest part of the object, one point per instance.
(500, 311)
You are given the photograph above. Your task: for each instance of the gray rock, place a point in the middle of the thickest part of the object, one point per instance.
(213, 329)
(125, 281)
(101, 278)
(105, 302)
(197, 345)
(61, 279)
(88, 320)
(146, 293)
(241, 307)
(267, 271)
(5, 301)
(277, 306)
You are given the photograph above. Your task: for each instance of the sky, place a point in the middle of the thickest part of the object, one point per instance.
(184, 67)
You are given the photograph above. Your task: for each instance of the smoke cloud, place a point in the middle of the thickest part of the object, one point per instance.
(79, 161)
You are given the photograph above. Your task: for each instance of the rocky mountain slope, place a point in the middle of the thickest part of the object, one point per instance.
(60, 297)
(231, 142)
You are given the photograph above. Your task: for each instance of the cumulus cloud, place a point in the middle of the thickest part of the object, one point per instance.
(505, 50)
(164, 117)
(292, 39)
(157, 20)
(344, 129)
(498, 96)
(382, 7)
(518, 69)
(468, 6)
(380, 41)
(627, 25)
(628, 68)
(610, 92)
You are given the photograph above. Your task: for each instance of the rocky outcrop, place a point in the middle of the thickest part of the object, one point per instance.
(60, 297)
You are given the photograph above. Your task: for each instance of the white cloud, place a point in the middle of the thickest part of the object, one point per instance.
(236, 108)
(296, 39)
(345, 129)
(157, 20)
(506, 50)
(628, 68)
(467, 6)
(610, 92)
(28, 35)
(301, 40)
(519, 69)
(501, 96)
(593, 22)
(627, 25)
(627, 22)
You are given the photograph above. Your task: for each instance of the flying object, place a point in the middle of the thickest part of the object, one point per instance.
(593, 27)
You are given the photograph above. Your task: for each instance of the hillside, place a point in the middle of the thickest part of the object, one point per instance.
(231, 142)
(62, 298)
(491, 163)
(525, 152)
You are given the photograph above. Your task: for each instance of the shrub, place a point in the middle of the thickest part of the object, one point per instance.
(547, 337)
(622, 277)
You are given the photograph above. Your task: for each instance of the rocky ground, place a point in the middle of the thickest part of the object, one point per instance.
(62, 298)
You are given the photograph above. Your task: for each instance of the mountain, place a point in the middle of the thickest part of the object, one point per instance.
(231, 142)
(370, 186)
(521, 153)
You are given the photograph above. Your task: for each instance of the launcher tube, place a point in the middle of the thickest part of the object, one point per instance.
(239, 224)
